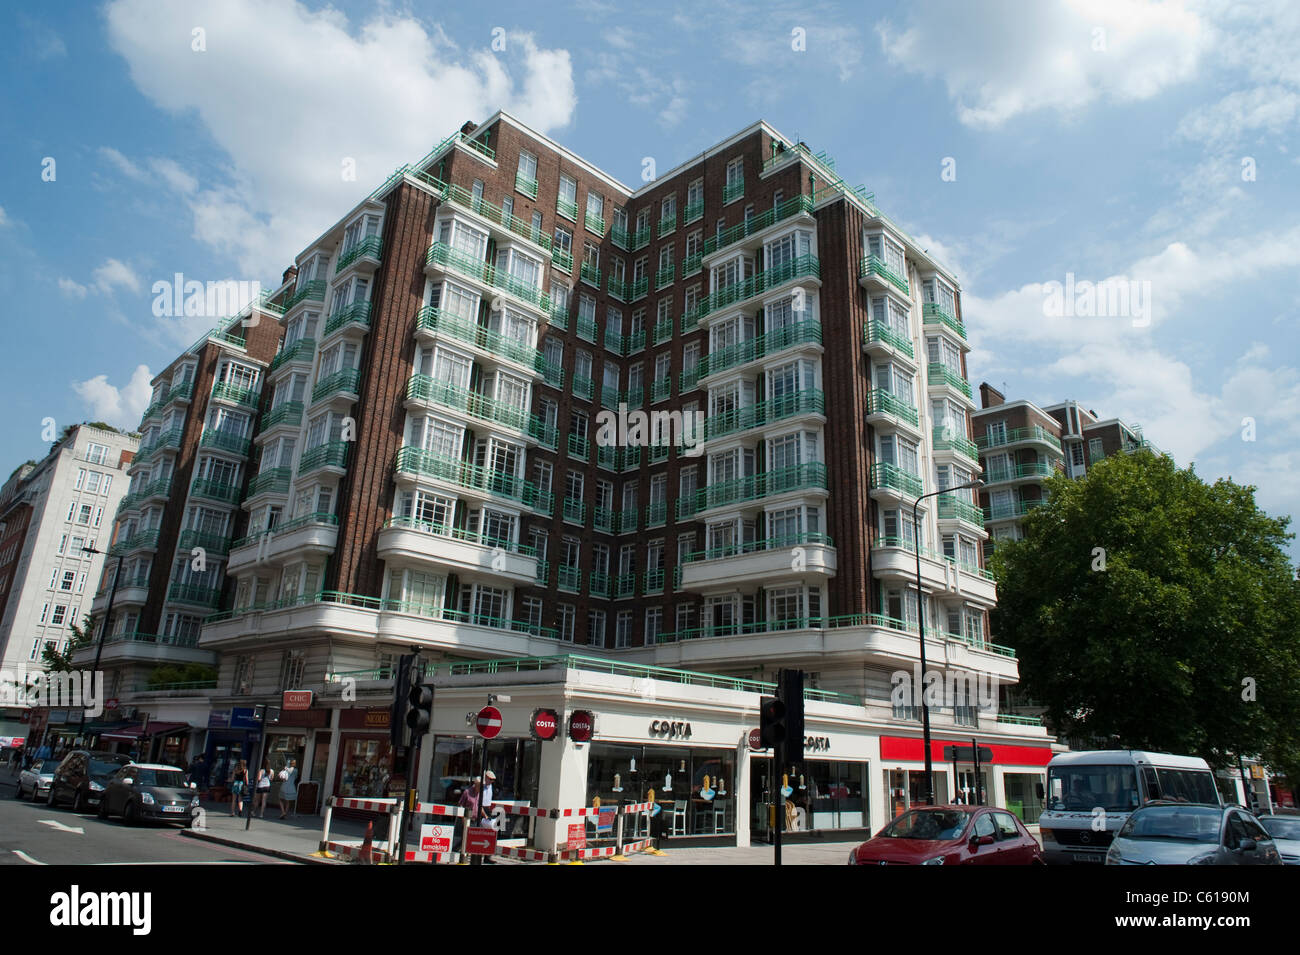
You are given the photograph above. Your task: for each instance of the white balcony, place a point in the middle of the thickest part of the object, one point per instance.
(409, 544)
(806, 562)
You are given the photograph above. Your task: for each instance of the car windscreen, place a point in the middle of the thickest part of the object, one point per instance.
(1173, 822)
(159, 777)
(105, 767)
(1084, 788)
(1281, 827)
(940, 824)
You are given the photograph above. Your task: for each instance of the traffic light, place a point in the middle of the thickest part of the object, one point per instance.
(420, 715)
(790, 689)
(401, 691)
(771, 721)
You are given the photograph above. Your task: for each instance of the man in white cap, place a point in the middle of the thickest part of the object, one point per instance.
(486, 802)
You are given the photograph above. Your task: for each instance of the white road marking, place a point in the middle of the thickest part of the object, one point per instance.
(55, 824)
(28, 859)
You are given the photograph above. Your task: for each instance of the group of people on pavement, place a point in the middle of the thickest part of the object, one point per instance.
(239, 783)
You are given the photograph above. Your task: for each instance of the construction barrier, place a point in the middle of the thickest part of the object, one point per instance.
(378, 850)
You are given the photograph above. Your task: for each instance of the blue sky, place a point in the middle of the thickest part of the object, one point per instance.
(1150, 142)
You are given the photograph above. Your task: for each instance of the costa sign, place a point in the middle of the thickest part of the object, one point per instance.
(673, 729)
(582, 726)
(544, 724)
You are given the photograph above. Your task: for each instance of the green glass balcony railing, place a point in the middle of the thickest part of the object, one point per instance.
(753, 547)
(797, 477)
(795, 205)
(332, 454)
(598, 584)
(1036, 469)
(1017, 436)
(288, 414)
(881, 401)
(661, 390)
(932, 314)
(454, 533)
(159, 487)
(445, 256)
(625, 522)
(808, 401)
(465, 330)
(426, 388)
(875, 265)
(618, 234)
(603, 519)
(569, 578)
(654, 581)
(803, 266)
(607, 457)
(617, 289)
(692, 264)
(587, 328)
(418, 461)
(1004, 512)
(347, 381)
(182, 392)
(590, 274)
(222, 441)
(663, 331)
(357, 314)
(686, 507)
(799, 333)
(273, 481)
(694, 211)
(543, 571)
(194, 594)
(239, 395)
(609, 398)
(168, 440)
(301, 350)
(667, 225)
(368, 248)
(311, 292)
(594, 223)
(213, 544)
(567, 209)
(583, 387)
(575, 511)
(526, 185)
(891, 476)
(143, 540)
(963, 446)
(952, 508)
(940, 374)
(559, 316)
(214, 490)
(578, 446)
(878, 331)
(640, 238)
(562, 260)
(688, 380)
(656, 514)
(733, 191)
(625, 586)
(665, 276)
(552, 374)
(630, 460)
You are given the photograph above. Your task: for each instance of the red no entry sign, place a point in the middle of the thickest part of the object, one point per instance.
(489, 722)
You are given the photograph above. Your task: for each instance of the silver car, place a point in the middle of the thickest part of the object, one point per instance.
(1180, 833)
(1285, 831)
(35, 780)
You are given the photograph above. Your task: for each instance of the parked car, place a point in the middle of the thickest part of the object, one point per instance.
(142, 791)
(1285, 831)
(35, 780)
(1181, 833)
(81, 777)
(951, 835)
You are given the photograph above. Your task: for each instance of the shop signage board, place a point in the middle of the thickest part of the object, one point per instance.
(296, 700)
(756, 739)
(489, 722)
(577, 836)
(436, 838)
(481, 841)
(545, 724)
(582, 726)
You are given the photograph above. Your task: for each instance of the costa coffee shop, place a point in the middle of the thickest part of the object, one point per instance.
(683, 741)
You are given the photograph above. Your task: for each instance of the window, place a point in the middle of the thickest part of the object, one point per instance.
(532, 614)
(292, 664)
(596, 211)
(242, 684)
(695, 200)
(567, 205)
(69, 578)
(526, 177)
(96, 453)
(623, 630)
(60, 612)
(596, 628)
(735, 187)
(1095, 452)
(654, 624)
(568, 620)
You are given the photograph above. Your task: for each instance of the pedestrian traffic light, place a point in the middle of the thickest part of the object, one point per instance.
(790, 690)
(771, 721)
(420, 715)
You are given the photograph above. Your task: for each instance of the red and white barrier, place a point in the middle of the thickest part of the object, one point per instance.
(638, 807)
(416, 855)
(439, 809)
(350, 850)
(525, 855)
(366, 805)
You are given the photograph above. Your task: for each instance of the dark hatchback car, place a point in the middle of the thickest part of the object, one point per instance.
(951, 835)
(1183, 833)
(80, 778)
(143, 791)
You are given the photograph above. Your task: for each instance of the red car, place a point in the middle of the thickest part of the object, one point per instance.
(951, 835)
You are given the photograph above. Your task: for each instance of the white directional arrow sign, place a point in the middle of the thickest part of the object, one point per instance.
(55, 824)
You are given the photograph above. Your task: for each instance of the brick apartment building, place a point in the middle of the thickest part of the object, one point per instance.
(401, 446)
(1021, 445)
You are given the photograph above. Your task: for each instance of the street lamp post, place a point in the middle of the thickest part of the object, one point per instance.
(920, 616)
(99, 643)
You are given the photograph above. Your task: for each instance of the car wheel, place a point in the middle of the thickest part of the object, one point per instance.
(130, 814)
(50, 799)
(18, 791)
(103, 806)
(79, 802)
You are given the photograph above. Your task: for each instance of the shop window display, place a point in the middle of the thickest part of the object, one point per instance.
(694, 788)
(829, 794)
(367, 765)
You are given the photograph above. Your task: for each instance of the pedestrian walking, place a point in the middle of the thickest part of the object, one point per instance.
(238, 785)
(288, 788)
(262, 790)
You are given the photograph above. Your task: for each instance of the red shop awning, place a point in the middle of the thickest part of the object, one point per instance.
(912, 750)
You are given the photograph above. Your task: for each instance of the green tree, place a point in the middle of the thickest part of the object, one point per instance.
(1156, 611)
(81, 638)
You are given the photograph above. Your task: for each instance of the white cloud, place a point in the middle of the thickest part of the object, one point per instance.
(124, 165)
(174, 175)
(72, 289)
(116, 274)
(4, 217)
(288, 93)
(121, 407)
(1270, 109)
(1000, 60)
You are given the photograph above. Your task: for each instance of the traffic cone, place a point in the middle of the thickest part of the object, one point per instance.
(366, 844)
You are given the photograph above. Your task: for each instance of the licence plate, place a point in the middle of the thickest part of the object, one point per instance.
(173, 808)
(1086, 857)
